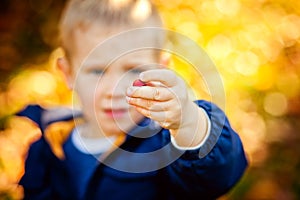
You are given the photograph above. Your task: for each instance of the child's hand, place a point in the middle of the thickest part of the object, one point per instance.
(164, 98)
(161, 98)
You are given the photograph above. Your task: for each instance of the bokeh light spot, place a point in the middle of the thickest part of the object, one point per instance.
(42, 83)
(275, 103)
(247, 63)
(189, 29)
(206, 9)
(228, 7)
(289, 85)
(219, 47)
(288, 28)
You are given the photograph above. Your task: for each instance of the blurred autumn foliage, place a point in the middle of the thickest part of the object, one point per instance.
(254, 44)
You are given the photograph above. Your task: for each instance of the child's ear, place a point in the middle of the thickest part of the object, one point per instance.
(64, 66)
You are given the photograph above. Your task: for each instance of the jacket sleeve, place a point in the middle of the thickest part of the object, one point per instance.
(214, 168)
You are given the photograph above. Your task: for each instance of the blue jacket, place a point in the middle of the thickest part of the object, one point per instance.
(147, 167)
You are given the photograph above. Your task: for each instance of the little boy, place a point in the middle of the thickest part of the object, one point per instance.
(140, 141)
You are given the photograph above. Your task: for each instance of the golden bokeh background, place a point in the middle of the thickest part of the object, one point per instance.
(255, 45)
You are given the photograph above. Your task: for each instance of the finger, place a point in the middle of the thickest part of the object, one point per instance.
(150, 104)
(165, 76)
(151, 93)
(159, 116)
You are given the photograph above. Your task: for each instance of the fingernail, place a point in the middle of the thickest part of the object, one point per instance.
(141, 76)
(130, 90)
(128, 99)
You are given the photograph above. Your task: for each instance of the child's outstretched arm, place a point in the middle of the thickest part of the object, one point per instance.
(165, 100)
(215, 159)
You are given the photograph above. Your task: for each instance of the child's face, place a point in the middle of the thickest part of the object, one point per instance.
(100, 76)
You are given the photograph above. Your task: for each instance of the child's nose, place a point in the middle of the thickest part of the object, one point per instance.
(114, 86)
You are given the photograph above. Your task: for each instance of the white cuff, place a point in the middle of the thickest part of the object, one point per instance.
(173, 141)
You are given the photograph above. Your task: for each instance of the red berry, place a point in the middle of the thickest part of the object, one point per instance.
(139, 83)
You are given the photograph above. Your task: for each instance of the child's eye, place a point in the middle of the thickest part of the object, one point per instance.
(136, 71)
(97, 71)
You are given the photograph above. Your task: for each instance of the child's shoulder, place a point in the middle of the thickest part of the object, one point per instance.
(44, 117)
(55, 124)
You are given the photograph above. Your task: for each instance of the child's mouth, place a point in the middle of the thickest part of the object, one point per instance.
(115, 113)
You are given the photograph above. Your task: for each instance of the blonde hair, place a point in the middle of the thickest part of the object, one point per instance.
(80, 14)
